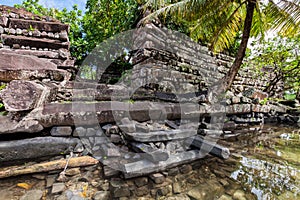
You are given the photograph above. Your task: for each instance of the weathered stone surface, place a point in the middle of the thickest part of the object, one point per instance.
(3, 21)
(143, 167)
(39, 25)
(236, 100)
(8, 10)
(142, 191)
(79, 132)
(207, 146)
(154, 155)
(119, 189)
(32, 195)
(35, 148)
(102, 195)
(127, 125)
(178, 197)
(114, 138)
(157, 178)
(61, 131)
(141, 181)
(207, 191)
(239, 195)
(11, 126)
(34, 42)
(238, 109)
(7, 75)
(63, 63)
(38, 53)
(58, 188)
(25, 95)
(158, 136)
(15, 61)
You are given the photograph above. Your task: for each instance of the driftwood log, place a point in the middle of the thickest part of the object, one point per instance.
(48, 166)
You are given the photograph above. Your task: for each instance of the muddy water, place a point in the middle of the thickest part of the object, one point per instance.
(271, 168)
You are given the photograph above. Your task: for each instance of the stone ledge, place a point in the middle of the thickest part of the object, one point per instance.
(39, 25)
(34, 42)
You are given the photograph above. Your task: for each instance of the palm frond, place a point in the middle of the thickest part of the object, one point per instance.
(285, 16)
(227, 30)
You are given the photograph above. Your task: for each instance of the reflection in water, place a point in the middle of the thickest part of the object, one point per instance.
(267, 179)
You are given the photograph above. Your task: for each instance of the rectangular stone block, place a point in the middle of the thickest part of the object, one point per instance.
(34, 42)
(38, 25)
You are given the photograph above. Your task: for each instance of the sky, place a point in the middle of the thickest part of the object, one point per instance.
(60, 4)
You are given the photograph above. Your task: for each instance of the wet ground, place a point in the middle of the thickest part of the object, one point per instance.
(262, 166)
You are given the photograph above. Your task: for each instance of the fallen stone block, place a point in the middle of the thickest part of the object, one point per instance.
(210, 147)
(35, 148)
(26, 125)
(143, 167)
(154, 155)
(159, 136)
(26, 95)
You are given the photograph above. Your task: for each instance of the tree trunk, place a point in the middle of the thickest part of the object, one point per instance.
(229, 77)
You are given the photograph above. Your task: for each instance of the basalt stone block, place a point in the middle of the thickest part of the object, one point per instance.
(7, 75)
(15, 61)
(26, 95)
(35, 148)
(40, 54)
(34, 42)
(39, 25)
(3, 21)
(157, 178)
(159, 136)
(61, 131)
(119, 188)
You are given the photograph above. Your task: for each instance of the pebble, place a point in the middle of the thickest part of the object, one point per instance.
(141, 181)
(73, 171)
(32, 195)
(158, 178)
(239, 195)
(50, 180)
(102, 195)
(58, 188)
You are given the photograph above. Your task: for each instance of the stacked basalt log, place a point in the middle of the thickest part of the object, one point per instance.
(35, 64)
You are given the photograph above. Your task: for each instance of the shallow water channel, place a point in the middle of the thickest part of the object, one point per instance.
(271, 168)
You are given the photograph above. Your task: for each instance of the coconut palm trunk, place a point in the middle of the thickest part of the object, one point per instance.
(231, 74)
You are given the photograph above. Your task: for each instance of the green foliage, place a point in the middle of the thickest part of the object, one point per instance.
(264, 101)
(3, 86)
(105, 18)
(218, 23)
(288, 96)
(281, 56)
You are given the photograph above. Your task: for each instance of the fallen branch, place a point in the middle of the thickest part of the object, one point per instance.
(48, 166)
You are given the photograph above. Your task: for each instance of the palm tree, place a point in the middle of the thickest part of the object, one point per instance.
(221, 20)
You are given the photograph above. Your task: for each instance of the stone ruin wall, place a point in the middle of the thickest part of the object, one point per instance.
(38, 72)
(191, 63)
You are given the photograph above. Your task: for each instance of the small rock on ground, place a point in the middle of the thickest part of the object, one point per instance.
(32, 195)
